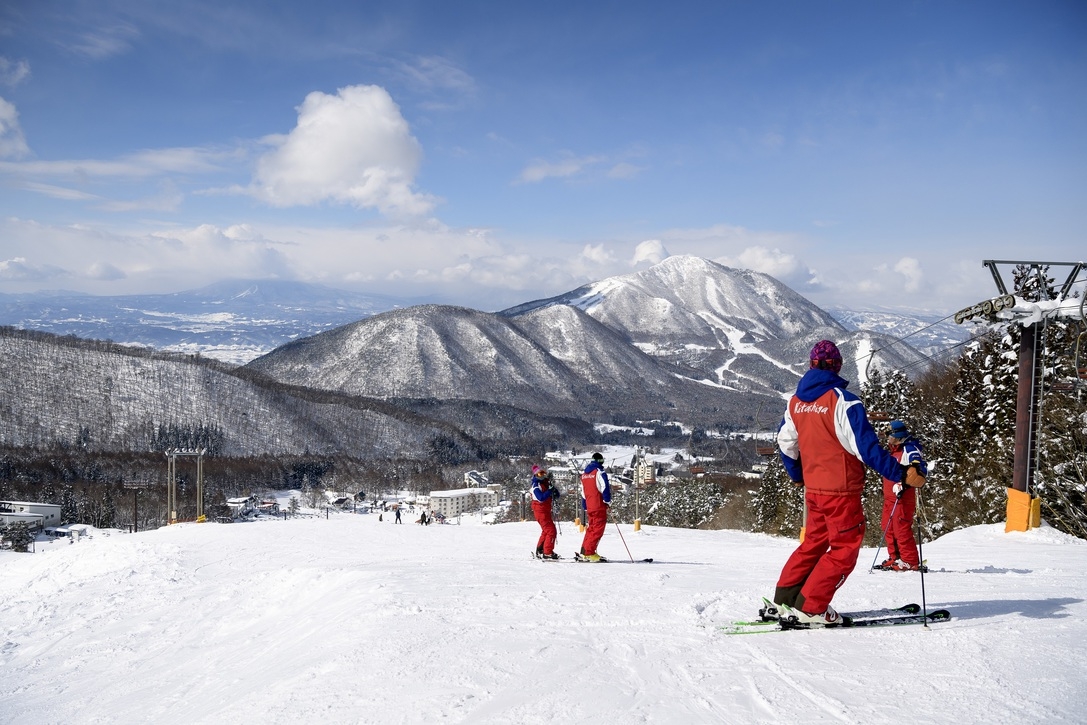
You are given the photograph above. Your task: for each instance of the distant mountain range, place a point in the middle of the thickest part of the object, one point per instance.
(929, 332)
(233, 321)
(688, 340)
(237, 321)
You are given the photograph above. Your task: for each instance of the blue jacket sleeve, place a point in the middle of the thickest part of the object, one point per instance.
(539, 493)
(911, 453)
(867, 444)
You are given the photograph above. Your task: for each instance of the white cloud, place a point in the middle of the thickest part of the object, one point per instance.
(105, 272)
(624, 170)
(774, 262)
(12, 142)
(101, 43)
(18, 269)
(353, 147)
(597, 254)
(434, 73)
(910, 269)
(569, 165)
(12, 73)
(139, 165)
(651, 251)
(169, 200)
(60, 192)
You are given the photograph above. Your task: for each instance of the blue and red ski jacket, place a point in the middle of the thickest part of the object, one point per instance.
(596, 487)
(828, 423)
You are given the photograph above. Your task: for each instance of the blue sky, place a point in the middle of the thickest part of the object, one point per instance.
(485, 153)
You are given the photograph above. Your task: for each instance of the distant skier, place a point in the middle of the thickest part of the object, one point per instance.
(544, 494)
(396, 508)
(597, 498)
(826, 441)
(901, 546)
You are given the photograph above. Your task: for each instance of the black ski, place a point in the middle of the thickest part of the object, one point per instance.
(541, 557)
(769, 612)
(906, 614)
(940, 615)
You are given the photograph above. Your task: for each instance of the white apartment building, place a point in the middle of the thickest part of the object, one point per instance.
(461, 500)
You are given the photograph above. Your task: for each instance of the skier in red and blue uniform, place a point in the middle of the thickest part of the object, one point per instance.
(826, 441)
(544, 494)
(902, 501)
(597, 497)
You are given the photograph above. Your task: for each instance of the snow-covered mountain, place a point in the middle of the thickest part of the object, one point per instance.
(687, 310)
(63, 391)
(739, 328)
(555, 360)
(687, 340)
(233, 321)
(930, 332)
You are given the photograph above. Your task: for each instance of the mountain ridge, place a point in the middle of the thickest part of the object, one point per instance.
(688, 341)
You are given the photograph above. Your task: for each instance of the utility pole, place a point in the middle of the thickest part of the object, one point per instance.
(136, 487)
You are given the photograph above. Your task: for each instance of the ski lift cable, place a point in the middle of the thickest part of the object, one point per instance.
(939, 354)
(1079, 276)
(871, 355)
(936, 355)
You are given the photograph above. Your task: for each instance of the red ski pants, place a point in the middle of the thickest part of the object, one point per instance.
(832, 542)
(597, 520)
(900, 541)
(542, 512)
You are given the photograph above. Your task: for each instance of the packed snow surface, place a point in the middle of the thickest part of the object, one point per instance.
(350, 619)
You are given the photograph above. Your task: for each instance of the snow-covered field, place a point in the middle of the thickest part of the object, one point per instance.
(348, 619)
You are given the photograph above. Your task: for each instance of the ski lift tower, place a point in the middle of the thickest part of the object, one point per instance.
(136, 487)
(171, 481)
(1024, 509)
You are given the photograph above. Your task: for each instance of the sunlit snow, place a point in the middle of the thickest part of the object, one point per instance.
(348, 619)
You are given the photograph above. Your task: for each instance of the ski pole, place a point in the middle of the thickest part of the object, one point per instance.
(624, 541)
(921, 558)
(883, 538)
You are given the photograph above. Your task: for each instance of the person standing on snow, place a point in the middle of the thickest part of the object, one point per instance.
(825, 441)
(597, 498)
(901, 546)
(544, 494)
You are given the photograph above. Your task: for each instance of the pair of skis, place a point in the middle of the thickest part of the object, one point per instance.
(880, 567)
(579, 557)
(584, 560)
(778, 618)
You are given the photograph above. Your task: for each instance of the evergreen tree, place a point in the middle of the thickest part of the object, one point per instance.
(19, 534)
(778, 503)
(69, 512)
(109, 509)
(1060, 478)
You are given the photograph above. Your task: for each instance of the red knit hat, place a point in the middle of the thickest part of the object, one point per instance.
(825, 355)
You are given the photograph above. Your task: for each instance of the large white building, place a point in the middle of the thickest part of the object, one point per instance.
(462, 500)
(38, 515)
